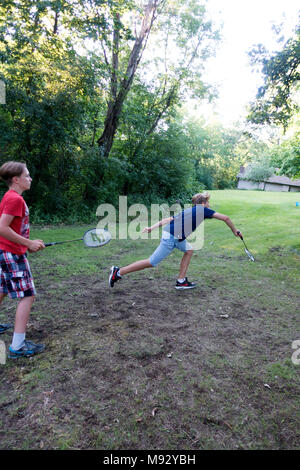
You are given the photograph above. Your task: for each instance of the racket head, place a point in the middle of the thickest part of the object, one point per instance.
(250, 256)
(96, 237)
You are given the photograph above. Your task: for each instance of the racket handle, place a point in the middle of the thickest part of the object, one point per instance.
(49, 244)
(239, 234)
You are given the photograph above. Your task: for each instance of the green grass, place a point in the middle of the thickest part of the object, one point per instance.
(267, 219)
(113, 356)
(269, 222)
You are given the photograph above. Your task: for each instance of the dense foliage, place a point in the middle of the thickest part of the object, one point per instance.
(286, 156)
(277, 103)
(95, 95)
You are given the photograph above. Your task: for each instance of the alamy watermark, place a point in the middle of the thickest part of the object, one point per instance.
(2, 92)
(2, 352)
(132, 220)
(296, 354)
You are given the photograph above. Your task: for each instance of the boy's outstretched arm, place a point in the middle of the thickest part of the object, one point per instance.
(165, 221)
(229, 222)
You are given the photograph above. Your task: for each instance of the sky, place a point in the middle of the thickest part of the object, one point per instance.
(245, 23)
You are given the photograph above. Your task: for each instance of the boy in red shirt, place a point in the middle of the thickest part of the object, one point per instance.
(15, 275)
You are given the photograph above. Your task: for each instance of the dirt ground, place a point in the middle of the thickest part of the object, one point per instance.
(143, 366)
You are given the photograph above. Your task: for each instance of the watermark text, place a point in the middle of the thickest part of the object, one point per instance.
(2, 92)
(139, 222)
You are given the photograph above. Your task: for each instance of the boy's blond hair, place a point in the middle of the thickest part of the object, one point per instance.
(10, 169)
(200, 198)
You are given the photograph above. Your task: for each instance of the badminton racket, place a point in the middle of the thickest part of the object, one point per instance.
(92, 238)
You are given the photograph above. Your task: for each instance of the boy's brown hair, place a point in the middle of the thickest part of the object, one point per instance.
(10, 169)
(200, 198)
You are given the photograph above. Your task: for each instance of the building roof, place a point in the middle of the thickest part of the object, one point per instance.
(276, 179)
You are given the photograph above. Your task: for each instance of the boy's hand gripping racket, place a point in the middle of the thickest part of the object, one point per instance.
(92, 238)
(250, 256)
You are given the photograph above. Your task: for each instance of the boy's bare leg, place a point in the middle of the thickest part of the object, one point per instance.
(19, 346)
(185, 263)
(22, 314)
(136, 266)
(2, 297)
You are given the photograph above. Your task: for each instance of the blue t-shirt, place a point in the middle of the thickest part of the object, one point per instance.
(186, 222)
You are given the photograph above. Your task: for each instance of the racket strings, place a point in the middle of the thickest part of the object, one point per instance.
(249, 254)
(96, 237)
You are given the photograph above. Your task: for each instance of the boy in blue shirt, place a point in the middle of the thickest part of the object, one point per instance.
(174, 235)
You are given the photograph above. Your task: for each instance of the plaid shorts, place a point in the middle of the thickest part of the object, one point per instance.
(15, 276)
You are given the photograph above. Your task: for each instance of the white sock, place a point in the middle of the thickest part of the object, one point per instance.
(18, 341)
(119, 275)
(181, 280)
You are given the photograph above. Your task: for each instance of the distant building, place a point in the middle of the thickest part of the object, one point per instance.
(274, 183)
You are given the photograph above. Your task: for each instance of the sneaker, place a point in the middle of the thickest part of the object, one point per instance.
(185, 284)
(114, 276)
(4, 327)
(29, 349)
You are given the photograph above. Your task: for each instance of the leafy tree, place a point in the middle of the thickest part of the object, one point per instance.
(179, 25)
(119, 87)
(217, 154)
(51, 93)
(275, 101)
(181, 42)
(259, 170)
(286, 156)
(81, 85)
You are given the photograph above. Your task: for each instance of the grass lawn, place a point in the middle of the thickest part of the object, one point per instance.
(142, 366)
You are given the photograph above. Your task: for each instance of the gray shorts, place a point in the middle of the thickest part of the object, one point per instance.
(167, 244)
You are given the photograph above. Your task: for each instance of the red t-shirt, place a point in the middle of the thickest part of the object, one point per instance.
(13, 204)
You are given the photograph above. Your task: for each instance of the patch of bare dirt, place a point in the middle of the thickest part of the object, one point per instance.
(143, 366)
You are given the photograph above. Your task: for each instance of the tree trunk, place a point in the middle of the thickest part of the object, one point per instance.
(55, 27)
(118, 96)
